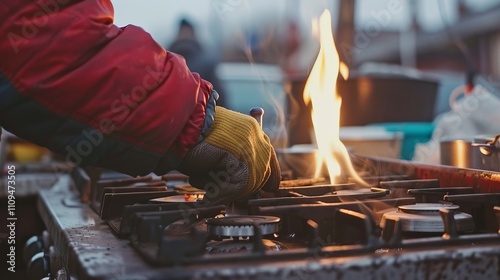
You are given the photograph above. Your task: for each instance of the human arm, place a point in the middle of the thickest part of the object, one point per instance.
(108, 96)
(100, 94)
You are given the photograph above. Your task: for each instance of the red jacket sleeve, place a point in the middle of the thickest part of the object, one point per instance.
(74, 82)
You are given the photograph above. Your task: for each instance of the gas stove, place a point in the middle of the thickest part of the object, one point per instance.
(416, 221)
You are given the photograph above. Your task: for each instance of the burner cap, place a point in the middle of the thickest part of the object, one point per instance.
(423, 208)
(425, 217)
(239, 226)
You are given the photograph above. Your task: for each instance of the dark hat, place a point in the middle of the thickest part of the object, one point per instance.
(185, 23)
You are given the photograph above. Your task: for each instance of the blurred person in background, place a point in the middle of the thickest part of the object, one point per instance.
(197, 58)
(72, 81)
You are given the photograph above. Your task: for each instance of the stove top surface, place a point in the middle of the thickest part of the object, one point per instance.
(301, 234)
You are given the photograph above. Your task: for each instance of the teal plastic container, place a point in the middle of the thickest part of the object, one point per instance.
(413, 133)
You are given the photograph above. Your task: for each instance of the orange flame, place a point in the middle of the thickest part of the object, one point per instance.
(320, 89)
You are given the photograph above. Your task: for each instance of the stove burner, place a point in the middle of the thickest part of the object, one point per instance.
(242, 226)
(425, 217)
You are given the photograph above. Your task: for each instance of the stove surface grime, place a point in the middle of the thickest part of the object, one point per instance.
(90, 249)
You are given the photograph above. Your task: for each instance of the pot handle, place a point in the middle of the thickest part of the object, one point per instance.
(488, 148)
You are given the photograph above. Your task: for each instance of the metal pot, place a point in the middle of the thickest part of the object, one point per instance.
(482, 152)
(457, 152)
(487, 151)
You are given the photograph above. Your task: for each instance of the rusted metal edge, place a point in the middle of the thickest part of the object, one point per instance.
(448, 176)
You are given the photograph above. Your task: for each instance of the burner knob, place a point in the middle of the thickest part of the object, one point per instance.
(36, 244)
(39, 266)
(33, 246)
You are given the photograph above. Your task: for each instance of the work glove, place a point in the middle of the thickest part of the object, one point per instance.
(234, 161)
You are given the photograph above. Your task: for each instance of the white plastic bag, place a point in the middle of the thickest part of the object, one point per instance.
(475, 114)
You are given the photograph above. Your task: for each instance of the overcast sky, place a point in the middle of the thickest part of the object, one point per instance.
(160, 17)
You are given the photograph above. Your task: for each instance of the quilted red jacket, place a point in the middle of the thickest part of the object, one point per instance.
(72, 81)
